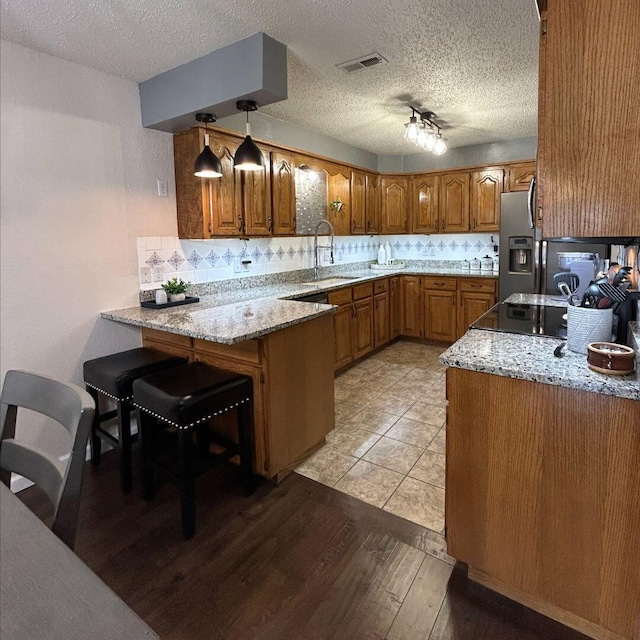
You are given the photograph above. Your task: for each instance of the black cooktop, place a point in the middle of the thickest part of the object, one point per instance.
(533, 319)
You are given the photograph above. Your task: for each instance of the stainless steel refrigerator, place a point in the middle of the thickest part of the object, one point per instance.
(527, 262)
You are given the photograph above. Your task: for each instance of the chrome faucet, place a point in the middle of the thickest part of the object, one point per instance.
(316, 246)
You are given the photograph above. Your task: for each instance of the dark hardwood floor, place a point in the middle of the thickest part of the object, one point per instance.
(299, 561)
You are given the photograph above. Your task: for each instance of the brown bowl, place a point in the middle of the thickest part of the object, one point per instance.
(610, 358)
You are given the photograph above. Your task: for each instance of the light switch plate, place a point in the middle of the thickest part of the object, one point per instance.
(163, 189)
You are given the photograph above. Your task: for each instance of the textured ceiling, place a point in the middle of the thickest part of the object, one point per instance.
(473, 63)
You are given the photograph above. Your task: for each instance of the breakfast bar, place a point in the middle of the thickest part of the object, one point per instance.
(543, 482)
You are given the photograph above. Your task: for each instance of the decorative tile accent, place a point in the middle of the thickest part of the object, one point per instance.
(212, 258)
(195, 259)
(175, 260)
(228, 256)
(280, 253)
(154, 260)
(268, 254)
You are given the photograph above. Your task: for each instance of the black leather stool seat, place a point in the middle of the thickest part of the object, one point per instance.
(185, 398)
(114, 375)
(192, 393)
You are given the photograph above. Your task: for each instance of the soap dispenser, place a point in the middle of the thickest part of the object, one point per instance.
(382, 256)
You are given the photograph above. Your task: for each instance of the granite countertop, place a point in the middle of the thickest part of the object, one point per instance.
(531, 358)
(242, 314)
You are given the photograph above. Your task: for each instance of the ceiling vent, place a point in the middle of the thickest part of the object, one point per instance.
(371, 60)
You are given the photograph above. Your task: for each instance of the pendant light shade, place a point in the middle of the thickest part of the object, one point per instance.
(248, 157)
(421, 130)
(207, 164)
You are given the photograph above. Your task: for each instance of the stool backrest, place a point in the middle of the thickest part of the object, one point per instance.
(68, 405)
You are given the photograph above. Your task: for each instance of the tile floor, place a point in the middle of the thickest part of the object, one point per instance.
(389, 442)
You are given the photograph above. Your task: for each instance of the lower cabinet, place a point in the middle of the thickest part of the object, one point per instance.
(343, 335)
(411, 307)
(475, 297)
(395, 302)
(440, 299)
(381, 319)
(293, 404)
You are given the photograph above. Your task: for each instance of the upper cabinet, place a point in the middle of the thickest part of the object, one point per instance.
(358, 202)
(372, 203)
(519, 176)
(256, 198)
(395, 201)
(424, 204)
(588, 120)
(486, 189)
(283, 191)
(339, 198)
(454, 202)
(206, 207)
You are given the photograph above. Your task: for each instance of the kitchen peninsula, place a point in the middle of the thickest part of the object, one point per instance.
(542, 479)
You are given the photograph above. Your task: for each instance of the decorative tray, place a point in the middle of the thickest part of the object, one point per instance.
(154, 305)
(396, 266)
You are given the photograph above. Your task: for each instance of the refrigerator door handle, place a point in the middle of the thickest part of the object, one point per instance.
(540, 266)
(531, 201)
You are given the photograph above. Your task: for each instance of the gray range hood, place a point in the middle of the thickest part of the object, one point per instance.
(251, 69)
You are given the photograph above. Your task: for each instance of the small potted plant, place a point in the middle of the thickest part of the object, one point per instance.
(176, 288)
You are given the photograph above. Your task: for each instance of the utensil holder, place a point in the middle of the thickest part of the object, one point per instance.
(586, 325)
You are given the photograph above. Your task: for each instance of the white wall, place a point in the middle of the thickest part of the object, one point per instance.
(78, 185)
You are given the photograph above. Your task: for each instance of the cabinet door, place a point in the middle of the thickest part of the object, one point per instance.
(589, 123)
(283, 193)
(256, 198)
(395, 303)
(226, 203)
(372, 203)
(342, 336)
(411, 307)
(440, 315)
(471, 307)
(454, 202)
(519, 176)
(362, 327)
(486, 188)
(424, 204)
(358, 190)
(381, 322)
(339, 199)
(395, 204)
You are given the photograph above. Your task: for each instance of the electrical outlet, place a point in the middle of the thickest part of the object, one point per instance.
(158, 274)
(145, 275)
(163, 189)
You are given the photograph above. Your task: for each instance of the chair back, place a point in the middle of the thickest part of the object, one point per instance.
(68, 405)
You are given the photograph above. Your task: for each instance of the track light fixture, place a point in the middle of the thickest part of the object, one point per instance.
(421, 130)
(207, 164)
(248, 157)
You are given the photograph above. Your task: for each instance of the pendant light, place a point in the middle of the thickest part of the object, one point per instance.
(207, 164)
(411, 128)
(440, 145)
(422, 132)
(248, 157)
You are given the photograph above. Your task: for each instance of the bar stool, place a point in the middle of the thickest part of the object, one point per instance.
(112, 376)
(184, 399)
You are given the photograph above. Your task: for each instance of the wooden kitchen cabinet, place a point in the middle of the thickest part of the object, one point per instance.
(411, 306)
(343, 336)
(395, 302)
(542, 499)
(475, 297)
(283, 193)
(372, 203)
(395, 204)
(358, 202)
(339, 190)
(292, 410)
(256, 198)
(454, 202)
(381, 312)
(363, 337)
(207, 207)
(440, 299)
(519, 176)
(424, 204)
(486, 188)
(588, 119)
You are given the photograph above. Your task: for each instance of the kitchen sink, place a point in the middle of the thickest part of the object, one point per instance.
(327, 282)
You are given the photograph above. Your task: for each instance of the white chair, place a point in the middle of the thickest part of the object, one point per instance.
(73, 408)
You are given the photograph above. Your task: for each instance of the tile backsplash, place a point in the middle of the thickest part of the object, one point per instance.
(198, 261)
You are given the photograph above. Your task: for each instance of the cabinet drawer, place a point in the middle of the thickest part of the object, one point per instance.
(340, 297)
(168, 337)
(362, 291)
(246, 351)
(487, 285)
(381, 286)
(168, 348)
(442, 284)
